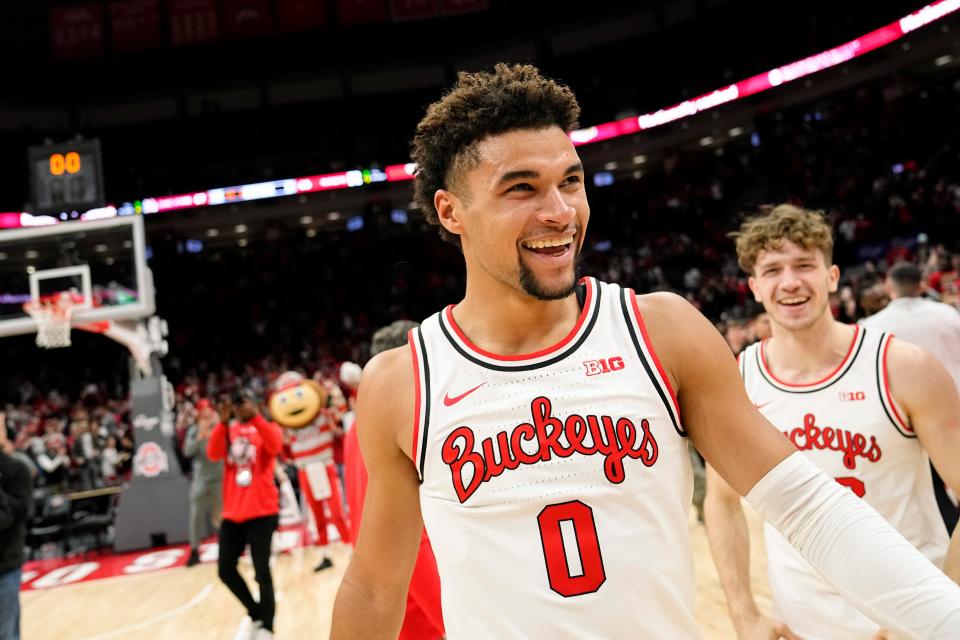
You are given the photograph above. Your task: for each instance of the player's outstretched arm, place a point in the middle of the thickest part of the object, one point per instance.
(732, 435)
(929, 395)
(837, 533)
(729, 540)
(371, 600)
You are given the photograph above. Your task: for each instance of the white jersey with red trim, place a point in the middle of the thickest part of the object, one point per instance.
(313, 443)
(556, 485)
(849, 425)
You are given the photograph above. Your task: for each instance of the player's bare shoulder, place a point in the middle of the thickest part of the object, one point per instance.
(908, 357)
(674, 328)
(916, 376)
(385, 399)
(667, 314)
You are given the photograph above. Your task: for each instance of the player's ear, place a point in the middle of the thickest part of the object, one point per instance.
(752, 283)
(449, 208)
(833, 278)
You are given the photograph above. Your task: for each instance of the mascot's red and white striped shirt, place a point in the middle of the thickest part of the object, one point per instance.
(313, 443)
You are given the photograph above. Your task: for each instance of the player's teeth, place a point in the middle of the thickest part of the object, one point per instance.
(543, 244)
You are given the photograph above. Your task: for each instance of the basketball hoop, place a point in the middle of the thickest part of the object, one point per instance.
(52, 316)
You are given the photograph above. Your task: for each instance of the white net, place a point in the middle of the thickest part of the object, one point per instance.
(53, 321)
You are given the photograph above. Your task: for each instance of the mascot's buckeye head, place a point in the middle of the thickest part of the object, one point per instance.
(296, 401)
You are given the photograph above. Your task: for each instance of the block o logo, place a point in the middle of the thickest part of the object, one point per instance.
(150, 461)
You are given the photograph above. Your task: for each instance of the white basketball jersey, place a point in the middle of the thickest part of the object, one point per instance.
(556, 485)
(849, 425)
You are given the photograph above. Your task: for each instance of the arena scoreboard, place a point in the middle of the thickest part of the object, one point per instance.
(66, 177)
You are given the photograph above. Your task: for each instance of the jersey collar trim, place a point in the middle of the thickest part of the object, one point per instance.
(855, 345)
(585, 322)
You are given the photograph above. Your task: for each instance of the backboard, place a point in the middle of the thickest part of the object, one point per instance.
(102, 263)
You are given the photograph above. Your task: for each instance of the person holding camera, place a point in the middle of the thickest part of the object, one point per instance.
(249, 445)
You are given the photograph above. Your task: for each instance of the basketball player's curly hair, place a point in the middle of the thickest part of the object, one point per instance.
(774, 224)
(480, 105)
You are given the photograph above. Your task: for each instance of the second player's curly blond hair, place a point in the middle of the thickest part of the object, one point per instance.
(774, 224)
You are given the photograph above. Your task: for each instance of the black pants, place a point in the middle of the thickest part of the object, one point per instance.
(234, 536)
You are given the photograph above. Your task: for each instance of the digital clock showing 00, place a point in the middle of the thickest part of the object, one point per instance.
(69, 163)
(66, 177)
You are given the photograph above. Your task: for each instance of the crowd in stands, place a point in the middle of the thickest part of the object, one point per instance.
(883, 160)
(76, 444)
(259, 377)
(71, 443)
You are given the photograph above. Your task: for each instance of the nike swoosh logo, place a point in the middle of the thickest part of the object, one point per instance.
(762, 404)
(448, 401)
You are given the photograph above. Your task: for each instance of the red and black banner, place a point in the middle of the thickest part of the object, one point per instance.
(135, 25)
(77, 31)
(247, 18)
(193, 22)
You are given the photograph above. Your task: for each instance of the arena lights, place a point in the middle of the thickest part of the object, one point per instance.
(606, 131)
(271, 189)
(930, 13)
(773, 78)
(10, 219)
(225, 195)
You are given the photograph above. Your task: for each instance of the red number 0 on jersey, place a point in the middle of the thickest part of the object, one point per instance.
(564, 577)
(855, 484)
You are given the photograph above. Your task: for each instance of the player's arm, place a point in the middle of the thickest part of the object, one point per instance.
(727, 429)
(371, 601)
(729, 540)
(840, 535)
(929, 395)
(752, 445)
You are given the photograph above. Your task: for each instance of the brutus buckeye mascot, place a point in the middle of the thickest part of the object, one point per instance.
(300, 406)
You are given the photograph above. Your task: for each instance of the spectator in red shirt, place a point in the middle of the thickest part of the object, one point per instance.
(249, 445)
